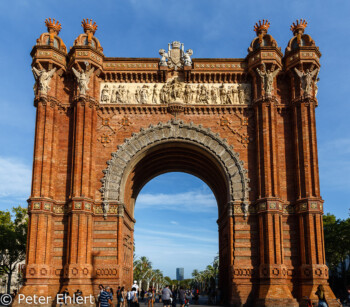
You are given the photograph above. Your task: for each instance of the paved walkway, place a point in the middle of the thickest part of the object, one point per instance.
(203, 301)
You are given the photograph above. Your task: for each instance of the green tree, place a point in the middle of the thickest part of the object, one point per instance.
(13, 239)
(142, 268)
(337, 246)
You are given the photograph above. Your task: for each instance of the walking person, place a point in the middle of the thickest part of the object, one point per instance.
(65, 295)
(321, 297)
(134, 302)
(123, 295)
(182, 294)
(166, 294)
(174, 297)
(118, 295)
(101, 288)
(106, 298)
(150, 297)
(128, 298)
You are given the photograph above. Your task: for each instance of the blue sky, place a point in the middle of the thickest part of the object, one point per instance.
(139, 28)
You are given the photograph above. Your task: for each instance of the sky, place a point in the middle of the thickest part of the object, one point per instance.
(139, 28)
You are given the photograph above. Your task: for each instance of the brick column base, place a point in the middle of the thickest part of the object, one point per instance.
(277, 295)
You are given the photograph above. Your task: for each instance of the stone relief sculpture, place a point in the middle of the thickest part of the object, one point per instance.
(307, 79)
(176, 57)
(83, 79)
(175, 91)
(43, 78)
(267, 78)
(105, 94)
(155, 95)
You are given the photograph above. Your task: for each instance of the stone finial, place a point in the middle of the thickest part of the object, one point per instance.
(298, 29)
(88, 26)
(53, 26)
(262, 27)
(298, 26)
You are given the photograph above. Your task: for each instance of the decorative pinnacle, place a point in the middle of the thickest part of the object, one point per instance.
(53, 26)
(261, 27)
(298, 26)
(88, 26)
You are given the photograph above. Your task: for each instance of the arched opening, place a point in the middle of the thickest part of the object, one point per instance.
(185, 157)
(176, 215)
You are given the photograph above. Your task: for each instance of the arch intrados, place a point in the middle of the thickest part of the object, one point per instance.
(188, 158)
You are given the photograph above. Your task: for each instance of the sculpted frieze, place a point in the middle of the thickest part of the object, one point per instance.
(175, 91)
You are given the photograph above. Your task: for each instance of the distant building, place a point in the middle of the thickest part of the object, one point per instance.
(180, 274)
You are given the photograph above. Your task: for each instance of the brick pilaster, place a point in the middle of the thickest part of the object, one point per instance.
(313, 270)
(272, 270)
(79, 267)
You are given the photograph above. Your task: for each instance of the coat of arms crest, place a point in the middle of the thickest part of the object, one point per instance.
(176, 57)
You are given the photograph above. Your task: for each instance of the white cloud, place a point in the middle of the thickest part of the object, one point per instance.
(178, 235)
(194, 201)
(174, 223)
(15, 179)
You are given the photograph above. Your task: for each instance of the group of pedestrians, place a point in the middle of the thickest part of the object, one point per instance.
(121, 298)
(131, 298)
(170, 297)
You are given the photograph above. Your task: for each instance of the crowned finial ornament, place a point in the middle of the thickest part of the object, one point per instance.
(298, 26)
(298, 29)
(262, 26)
(88, 26)
(261, 29)
(53, 26)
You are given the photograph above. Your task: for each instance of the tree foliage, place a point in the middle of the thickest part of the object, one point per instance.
(13, 239)
(337, 246)
(146, 275)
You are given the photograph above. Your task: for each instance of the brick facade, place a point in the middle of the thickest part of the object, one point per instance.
(270, 209)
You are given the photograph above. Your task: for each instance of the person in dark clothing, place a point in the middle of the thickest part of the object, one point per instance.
(106, 298)
(65, 295)
(174, 297)
(182, 294)
(321, 297)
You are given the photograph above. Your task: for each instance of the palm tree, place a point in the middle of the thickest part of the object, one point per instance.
(157, 279)
(142, 267)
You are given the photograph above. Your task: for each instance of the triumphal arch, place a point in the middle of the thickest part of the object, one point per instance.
(105, 126)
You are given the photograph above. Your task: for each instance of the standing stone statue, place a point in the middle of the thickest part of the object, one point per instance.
(267, 77)
(165, 56)
(213, 95)
(223, 94)
(241, 94)
(155, 95)
(143, 94)
(83, 79)
(187, 57)
(306, 79)
(187, 94)
(105, 94)
(43, 78)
